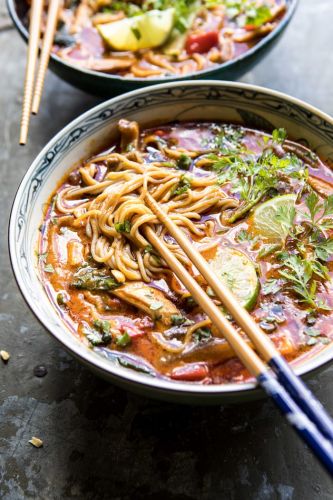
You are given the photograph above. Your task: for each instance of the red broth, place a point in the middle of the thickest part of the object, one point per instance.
(157, 328)
(202, 34)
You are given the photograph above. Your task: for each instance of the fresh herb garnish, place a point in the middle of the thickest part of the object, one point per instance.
(136, 32)
(88, 278)
(183, 185)
(42, 256)
(177, 319)
(124, 340)
(315, 336)
(271, 286)
(148, 249)
(184, 162)
(257, 16)
(243, 235)
(279, 135)
(104, 327)
(252, 179)
(202, 334)
(62, 298)
(94, 336)
(49, 268)
(123, 227)
(298, 274)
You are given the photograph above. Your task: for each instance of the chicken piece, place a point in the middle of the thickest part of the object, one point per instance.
(110, 64)
(148, 299)
(82, 17)
(322, 187)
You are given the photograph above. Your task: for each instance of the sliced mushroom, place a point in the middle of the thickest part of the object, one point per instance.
(148, 299)
(129, 135)
(322, 187)
(217, 350)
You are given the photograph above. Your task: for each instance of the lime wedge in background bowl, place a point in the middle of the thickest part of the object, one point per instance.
(147, 30)
(238, 272)
(265, 220)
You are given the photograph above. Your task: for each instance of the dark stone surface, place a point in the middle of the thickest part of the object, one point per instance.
(100, 442)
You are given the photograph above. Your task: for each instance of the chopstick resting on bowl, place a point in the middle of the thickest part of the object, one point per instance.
(303, 411)
(31, 97)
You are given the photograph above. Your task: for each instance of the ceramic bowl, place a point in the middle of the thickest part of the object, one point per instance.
(107, 85)
(206, 100)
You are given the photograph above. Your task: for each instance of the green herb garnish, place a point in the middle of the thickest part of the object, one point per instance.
(124, 340)
(104, 328)
(183, 185)
(202, 334)
(184, 162)
(177, 319)
(88, 278)
(271, 286)
(279, 135)
(49, 268)
(136, 32)
(123, 227)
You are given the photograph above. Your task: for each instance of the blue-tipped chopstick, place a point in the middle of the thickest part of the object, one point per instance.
(290, 394)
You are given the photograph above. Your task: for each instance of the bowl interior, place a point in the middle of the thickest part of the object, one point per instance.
(208, 100)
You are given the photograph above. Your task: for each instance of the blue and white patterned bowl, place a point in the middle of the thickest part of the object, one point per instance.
(206, 100)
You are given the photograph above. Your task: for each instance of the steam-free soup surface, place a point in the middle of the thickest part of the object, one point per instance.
(157, 38)
(257, 206)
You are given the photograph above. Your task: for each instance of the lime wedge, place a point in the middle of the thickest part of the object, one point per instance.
(265, 221)
(147, 30)
(238, 272)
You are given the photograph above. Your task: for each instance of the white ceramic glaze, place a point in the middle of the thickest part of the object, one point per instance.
(195, 100)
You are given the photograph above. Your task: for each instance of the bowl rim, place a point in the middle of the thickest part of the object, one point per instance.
(196, 74)
(87, 356)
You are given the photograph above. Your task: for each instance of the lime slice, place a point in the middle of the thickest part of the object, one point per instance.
(148, 30)
(265, 221)
(238, 272)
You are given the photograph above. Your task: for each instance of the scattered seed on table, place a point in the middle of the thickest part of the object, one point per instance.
(36, 442)
(4, 356)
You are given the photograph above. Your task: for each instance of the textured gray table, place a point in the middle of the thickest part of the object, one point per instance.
(100, 442)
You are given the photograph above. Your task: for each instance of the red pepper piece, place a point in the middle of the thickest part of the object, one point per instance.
(202, 42)
(191, 372)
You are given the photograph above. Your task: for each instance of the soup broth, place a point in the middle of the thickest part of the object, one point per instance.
(257, 206)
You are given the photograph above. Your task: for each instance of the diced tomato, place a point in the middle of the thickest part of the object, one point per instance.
(250, 27)
(201, 42)
(192, 372)
(132, 330)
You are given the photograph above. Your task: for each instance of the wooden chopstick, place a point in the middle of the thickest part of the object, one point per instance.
(238, 344)
(34, 35)
(295, 386)
(298, 418)
(51, 25)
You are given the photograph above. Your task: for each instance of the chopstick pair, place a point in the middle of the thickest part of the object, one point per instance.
(33, 88)
(303, 411)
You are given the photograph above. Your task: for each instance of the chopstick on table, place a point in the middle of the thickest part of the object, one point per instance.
(288, 391)
(33, 43)
(51, 25)
(30, 102)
